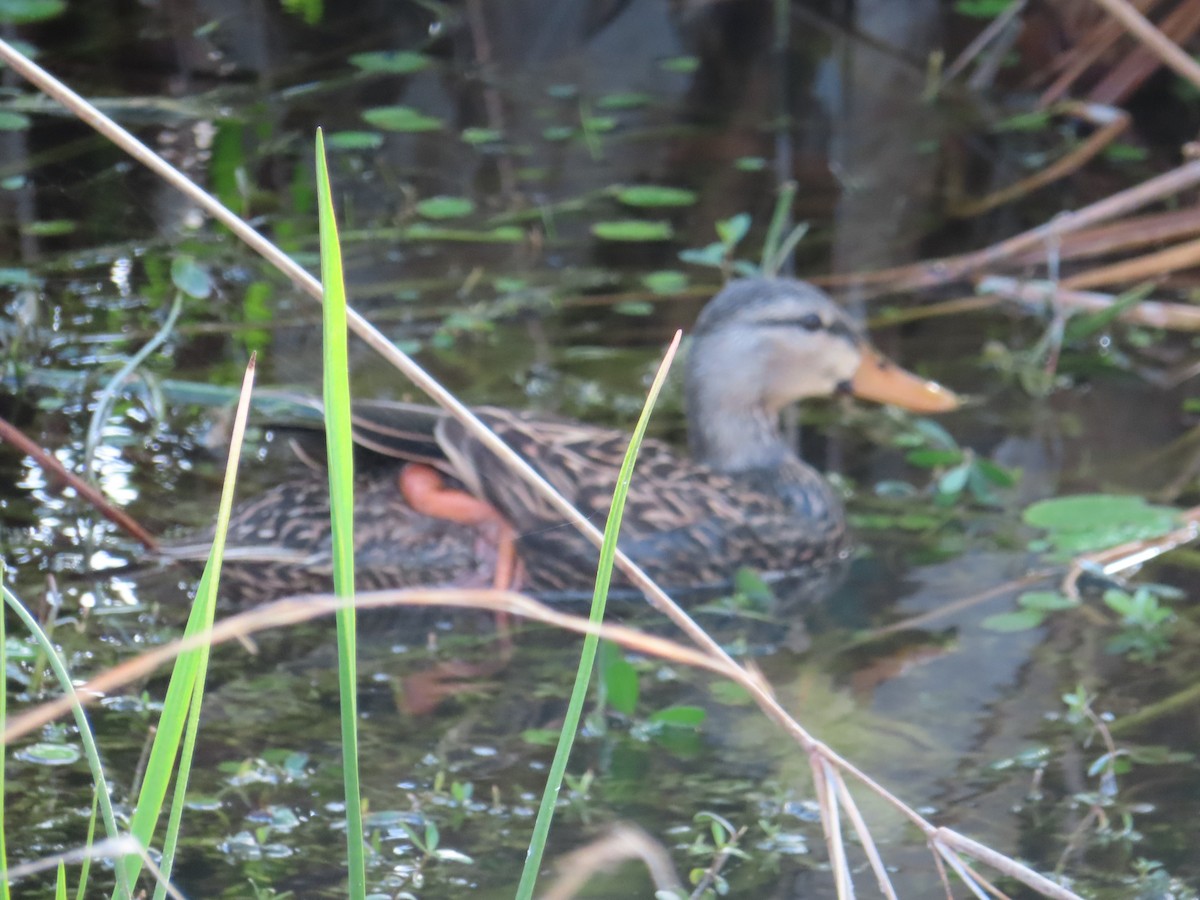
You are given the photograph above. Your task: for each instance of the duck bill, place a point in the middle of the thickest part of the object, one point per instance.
(881, 380)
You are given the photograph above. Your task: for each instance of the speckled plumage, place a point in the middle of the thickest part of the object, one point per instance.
(743, 498)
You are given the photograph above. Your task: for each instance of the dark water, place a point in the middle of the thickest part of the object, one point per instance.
(964, 722)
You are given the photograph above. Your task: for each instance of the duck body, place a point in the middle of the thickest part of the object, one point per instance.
(743, 498)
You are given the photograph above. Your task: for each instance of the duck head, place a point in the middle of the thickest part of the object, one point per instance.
(762, 344)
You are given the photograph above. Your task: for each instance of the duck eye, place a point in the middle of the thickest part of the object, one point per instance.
(811, 322)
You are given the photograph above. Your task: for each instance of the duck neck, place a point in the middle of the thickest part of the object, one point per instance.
(733, 437)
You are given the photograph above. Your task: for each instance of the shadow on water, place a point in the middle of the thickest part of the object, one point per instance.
(525, 118)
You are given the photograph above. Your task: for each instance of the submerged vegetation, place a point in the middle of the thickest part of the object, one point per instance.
(1016, 613)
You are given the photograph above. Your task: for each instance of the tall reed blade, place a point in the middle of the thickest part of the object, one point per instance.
(341, 502)
(587, 658)
(181, 708)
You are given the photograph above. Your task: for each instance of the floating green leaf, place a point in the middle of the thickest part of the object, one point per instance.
(1046, 601)
(49, 228)
(12, 121)
(679, 717)
(46, 754)
(504, 234)
(981, 9)
(750, 164)
(599, 124)
(308, 10)
(623, 100)
(475, 136)
(682, 65)
(445, 207)
(1020, 620)
(633, 230)
(666, 281)
(393, 62)
(655, 195)
(619, 679)
(401, 118)
(22, 12)
(354, 140)
(190, 277)
(558, 132)
(17, 277)
(1093, 521)
(1030, 121)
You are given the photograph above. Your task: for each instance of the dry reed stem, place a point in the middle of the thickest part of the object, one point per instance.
(622, 842)
(1090, 48)
(1166, 50)
(930, 273)
(1150, 313)
(1132, 553)
(109, 848)
(1141, 268)
(864, 835)
(1109, 122)
(714, 658)
(994, 30)
(93, 495)
(1123, 79)
(1127, 234)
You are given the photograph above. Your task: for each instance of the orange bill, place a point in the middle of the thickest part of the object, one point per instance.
(881, 380)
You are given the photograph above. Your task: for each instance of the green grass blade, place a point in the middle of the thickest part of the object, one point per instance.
(189, 669)
(207, 599)
(771, 258)
(587, 657)
(4, 889)
(91, 751)
(85, 870)
(341, 501)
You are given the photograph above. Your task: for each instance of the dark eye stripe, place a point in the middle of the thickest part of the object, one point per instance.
(813, 322)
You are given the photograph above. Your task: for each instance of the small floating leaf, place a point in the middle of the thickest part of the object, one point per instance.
(655, 195)
(17, 277)
(354, 140)
(558, 132)
(190, 277)
(12, 121)
(49, 228)
(623, 100)
(393, 62)
(733, 229)
(1046, 601)
(562, 91)
(599, 124)
(1022, 620)
(1030, 121)
(401, 118)
(47, 754)
(445, 207)
(633, 230)
(680, 717)
(683, 65)
(1092, 521)
(634, 308)
(475, 136)
(666, 281)
(504, 234)
(22, 12)
(981, 9)
(750, 164)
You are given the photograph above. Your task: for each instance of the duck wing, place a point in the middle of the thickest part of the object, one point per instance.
(686, 524)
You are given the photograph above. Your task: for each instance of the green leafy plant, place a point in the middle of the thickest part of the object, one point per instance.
(1147, 625)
